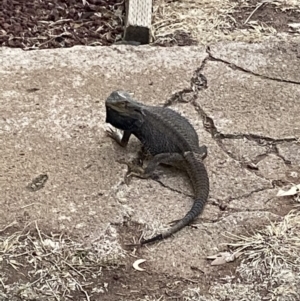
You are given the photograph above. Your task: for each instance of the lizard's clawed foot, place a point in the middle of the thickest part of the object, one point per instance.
(132, 167)
(113, 134)
(134, 170)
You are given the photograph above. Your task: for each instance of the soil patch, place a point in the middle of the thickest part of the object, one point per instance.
(256, 13)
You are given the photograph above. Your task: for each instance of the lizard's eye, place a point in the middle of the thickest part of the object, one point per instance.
(123, 104)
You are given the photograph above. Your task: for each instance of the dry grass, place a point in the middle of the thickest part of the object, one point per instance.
(36, 266)
(272, 258)
(204, 20)
(209, 21)
(270, 268)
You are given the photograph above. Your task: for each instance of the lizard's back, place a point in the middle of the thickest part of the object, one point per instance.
(167, 131)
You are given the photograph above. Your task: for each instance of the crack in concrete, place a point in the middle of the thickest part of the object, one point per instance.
(260, 140)
(218, 136)
(277, 153)
(223, 204)
(239, 68)
(246, 195)
(210, 127)
(224, 214)
(198, 82)
(252, 164)
(173, 189)
(236, 210)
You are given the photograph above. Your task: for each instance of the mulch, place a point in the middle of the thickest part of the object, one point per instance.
(41, 24)
(45, 24)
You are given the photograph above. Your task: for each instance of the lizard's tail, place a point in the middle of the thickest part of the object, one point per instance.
(200, 182)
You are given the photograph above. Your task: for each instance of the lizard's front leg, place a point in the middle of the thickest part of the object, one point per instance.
(116, 135)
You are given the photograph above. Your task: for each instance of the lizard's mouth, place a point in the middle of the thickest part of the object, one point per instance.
(124, 109)
(116, 108)
(121, 120)
(116, 111)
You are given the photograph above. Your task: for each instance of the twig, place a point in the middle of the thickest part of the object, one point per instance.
(59, 21)
(54, 37)
(39, 233)
(1, 281)
(256, 8)
(8, 226)
(75, 270)
(55, 296)
(83, 290)
(27, 205)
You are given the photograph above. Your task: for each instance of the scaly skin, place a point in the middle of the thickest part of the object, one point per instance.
(169, 138)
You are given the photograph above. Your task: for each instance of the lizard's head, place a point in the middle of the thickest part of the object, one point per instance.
(122, 111)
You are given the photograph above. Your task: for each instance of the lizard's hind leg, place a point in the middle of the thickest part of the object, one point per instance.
(173, 159)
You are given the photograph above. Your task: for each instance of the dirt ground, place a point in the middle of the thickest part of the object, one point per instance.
(268, 14)
(67, 215)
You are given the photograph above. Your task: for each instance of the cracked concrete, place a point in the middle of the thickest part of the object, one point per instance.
(242, 100)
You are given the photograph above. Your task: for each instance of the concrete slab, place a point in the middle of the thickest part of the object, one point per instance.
(53, 119)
